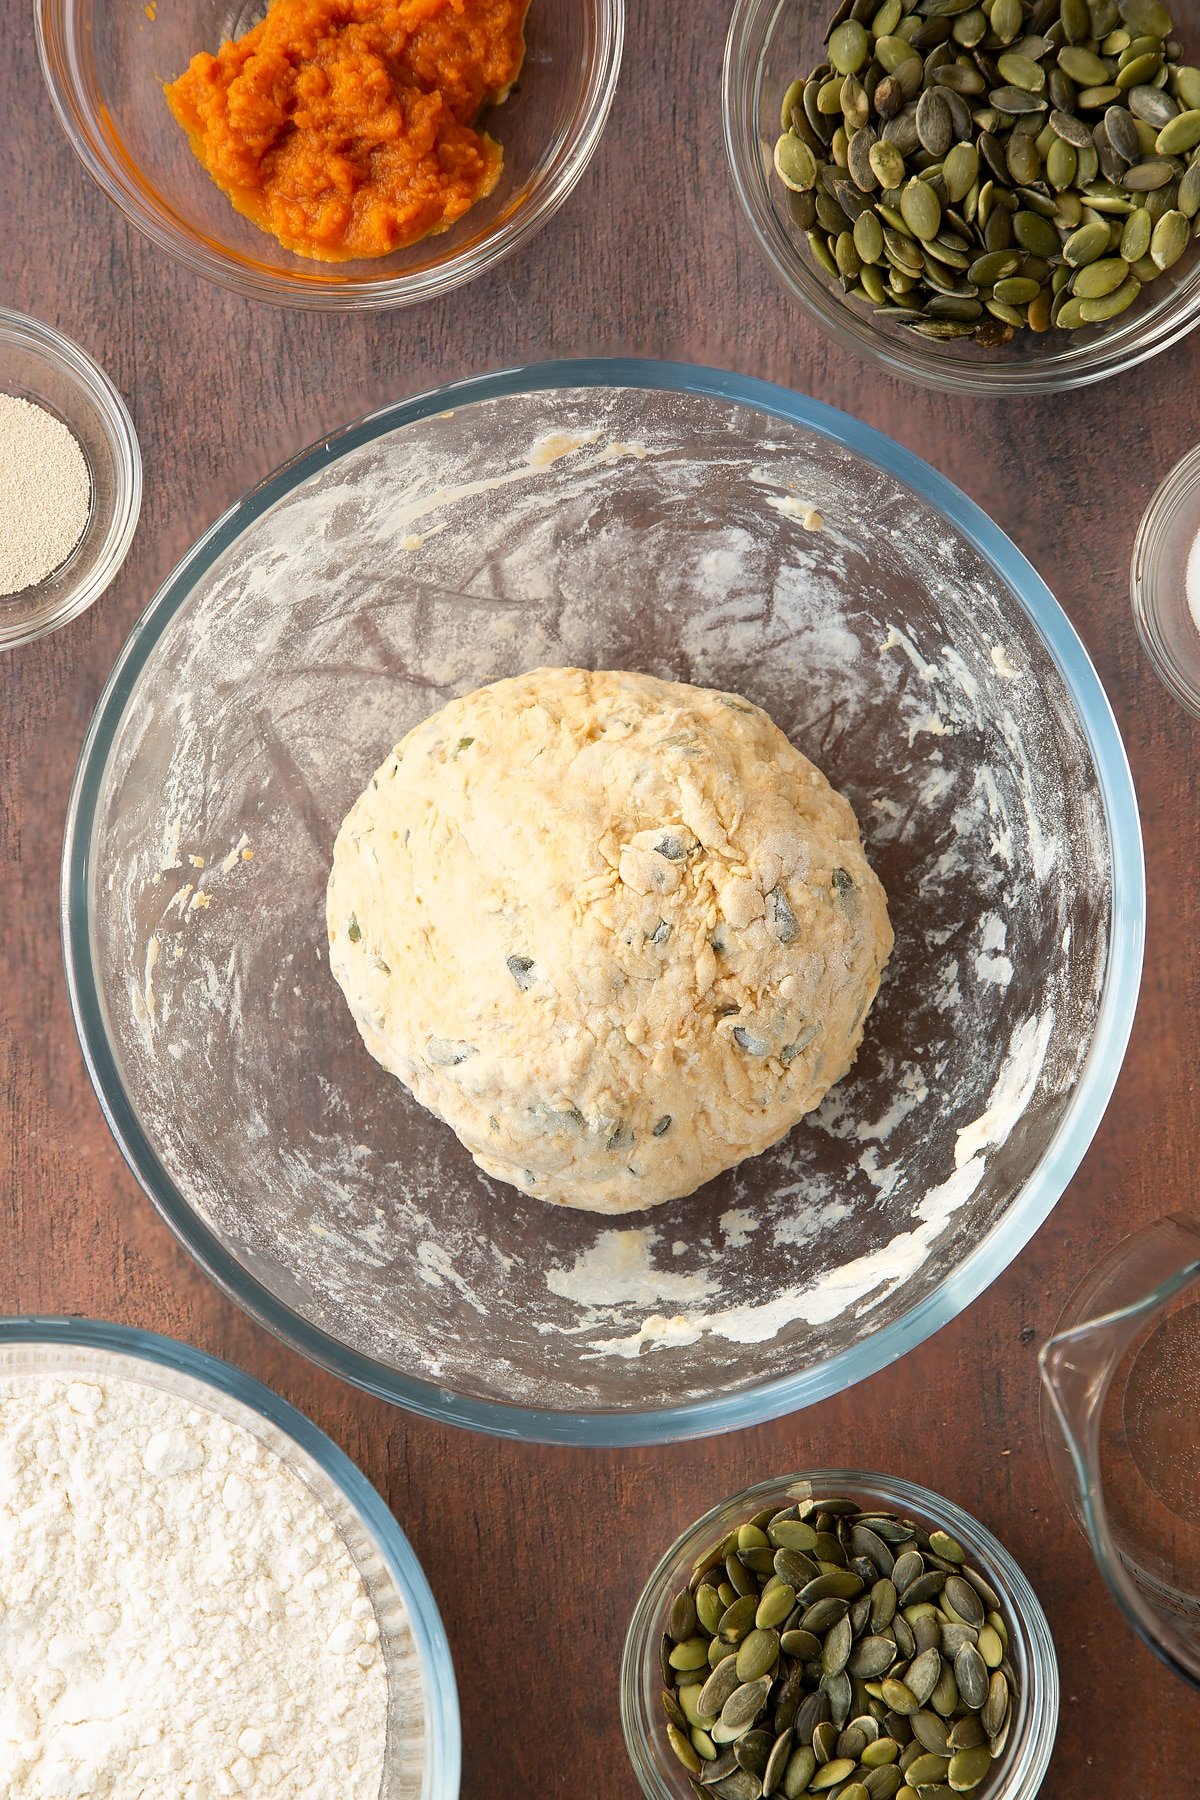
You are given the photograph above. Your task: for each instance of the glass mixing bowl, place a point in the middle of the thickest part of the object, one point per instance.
(770, 43)
(605, 514)
(1018, 1775)
(105, 62)
(424, 1751)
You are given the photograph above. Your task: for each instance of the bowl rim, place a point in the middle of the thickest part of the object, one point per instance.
(1031, 1753)
(443, 1733)
(994, 1250)
(1182, 481)
(100, 393)
(314, 287)
(853, 330)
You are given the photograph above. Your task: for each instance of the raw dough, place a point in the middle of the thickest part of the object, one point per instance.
(618, 932)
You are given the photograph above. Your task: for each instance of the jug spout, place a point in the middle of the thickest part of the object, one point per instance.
(1123, 1450)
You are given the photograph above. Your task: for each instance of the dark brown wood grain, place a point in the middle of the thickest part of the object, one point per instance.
(536, 1555)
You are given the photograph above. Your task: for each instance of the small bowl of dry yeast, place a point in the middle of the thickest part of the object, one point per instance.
(70, 480)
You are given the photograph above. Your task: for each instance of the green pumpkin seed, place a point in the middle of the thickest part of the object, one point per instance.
(743, 1707)
(849, 47)
(1140, 72)
(931, 1732)
(1185, 85)
(795, 164)
(752, 1750)
(923, 1675)
(971, 1674)
(1152, 105)
(757, 1652)
(777, 1762)
(887, 164)
(1135, 237)
(871, 1658)
(691, 1654)
(831, 1774)
(899, 1698)
(944, 1698)
(882, 1783)
(921, 209)
(800, 1770)
(1188, 200)
(868, 237)
(792, 99)
(963, 1602)
(684, 1750)
(1110, 306)
(1018, 290)
(1069, 316)
(681, 1621)
(837, 1648)
(1008, 19)
(1146, 177)
(968, 1768)
(840, 1584)
(926, 1771)
(995, 1706)
(775, 1605)
(738, 1618)
(1021, 72)
(1170, 240)
(1147, 17)
(1084, 66)
(1035, 234)
(1090, 283)
(824, 1740)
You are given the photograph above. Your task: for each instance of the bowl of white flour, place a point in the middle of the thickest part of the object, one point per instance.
(202, 1597)
(696, 527)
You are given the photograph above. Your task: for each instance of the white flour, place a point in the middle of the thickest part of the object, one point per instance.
(179, 1617)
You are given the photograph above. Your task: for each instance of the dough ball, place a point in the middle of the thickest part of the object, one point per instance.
(618, 932)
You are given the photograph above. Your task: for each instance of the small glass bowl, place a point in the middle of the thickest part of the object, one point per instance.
(770, 43)
(105, 63)
(38, 363)
(1158, 580)
(1031, 1648)
(424, 1749)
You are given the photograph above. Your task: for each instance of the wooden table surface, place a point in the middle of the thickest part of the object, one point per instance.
(537, 1555)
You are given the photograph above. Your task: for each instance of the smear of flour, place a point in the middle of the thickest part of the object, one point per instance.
(618, 1270)
(990, 962)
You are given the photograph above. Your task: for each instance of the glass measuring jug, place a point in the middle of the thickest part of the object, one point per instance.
(1121, 1419)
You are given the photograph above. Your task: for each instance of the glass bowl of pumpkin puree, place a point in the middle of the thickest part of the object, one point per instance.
(334, 153)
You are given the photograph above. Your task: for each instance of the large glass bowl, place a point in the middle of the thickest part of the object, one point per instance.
(606, 514)
(105, 62)
(424, 1752)
(770, 43)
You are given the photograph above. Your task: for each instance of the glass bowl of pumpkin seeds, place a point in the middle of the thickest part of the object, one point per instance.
(844, 1635)
(985, 195)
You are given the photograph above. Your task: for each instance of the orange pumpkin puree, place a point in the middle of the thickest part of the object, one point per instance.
(345, 128)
